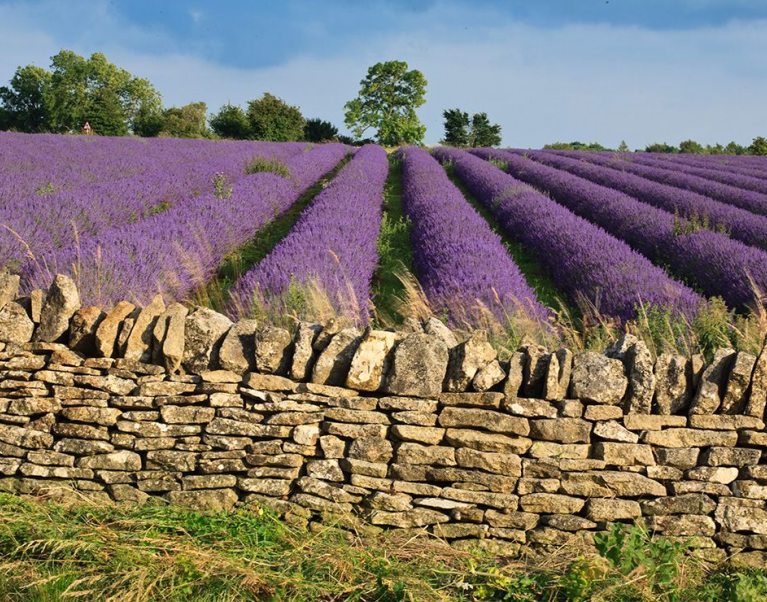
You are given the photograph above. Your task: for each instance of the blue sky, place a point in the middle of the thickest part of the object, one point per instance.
(606, 70)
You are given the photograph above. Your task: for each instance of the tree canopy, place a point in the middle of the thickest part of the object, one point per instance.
(484, 133)
(660, 147)
(231, 122)
(477, 131)
(387, 100)
(318, 130)
(189, 121)
(758, 146)
(576, 145)
(24, 101)
(273, 119)
(76, 90)
(691, 147)
(457, 123)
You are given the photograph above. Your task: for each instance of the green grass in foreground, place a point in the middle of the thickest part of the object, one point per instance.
(102, 552)
(394, 251)
(216, 292)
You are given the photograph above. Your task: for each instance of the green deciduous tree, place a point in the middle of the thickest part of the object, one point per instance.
(733, 148)
(149, 121)
(623, 147)
(387, 100)
(576, 145)
(460, 130)
(142, 103)
(231, 122)
(318, 130)
(484, 133)
(660, 147)
(758, 146)
(25, 101)
(189, 121)
(457, 124)
(105, 112)
(74, 91)
(273, 119)
(715, 149)
(691, 147)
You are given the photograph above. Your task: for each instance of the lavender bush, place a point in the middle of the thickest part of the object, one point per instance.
(727, 163)
(332, 245)
(58, 191)
(739, 223)
(587, 263)
(680, 178)
(728, 177)
(458, 259)
(716, 264)
(180, 249)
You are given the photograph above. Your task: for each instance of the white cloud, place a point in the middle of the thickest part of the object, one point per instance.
(585, 82)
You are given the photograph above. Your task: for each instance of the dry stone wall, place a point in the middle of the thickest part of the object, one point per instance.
(414, 429)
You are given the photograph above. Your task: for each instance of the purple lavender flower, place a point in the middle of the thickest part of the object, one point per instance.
(713, 262)
(585, 261)
(741, 224)
(332, 245)
(679, 178)
(57, 191)
(728, 178)
(178, 250)
(458, 259)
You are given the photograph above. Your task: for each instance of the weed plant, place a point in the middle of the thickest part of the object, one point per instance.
(261, 164)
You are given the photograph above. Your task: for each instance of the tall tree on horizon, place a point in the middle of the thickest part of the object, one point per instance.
(231, 122)
(76, 90)
(484, 133)
(477, 131)
(273, 119)
(189, 121)
(457, 124)
(387, 100)
(24, 101)
(318, 130)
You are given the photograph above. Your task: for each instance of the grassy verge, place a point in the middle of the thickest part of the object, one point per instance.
(216, 292)
(394, 251)
(102, 552)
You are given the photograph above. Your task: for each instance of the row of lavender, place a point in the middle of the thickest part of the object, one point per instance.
(584, 260)
(749, 180)
(58, 192)
(732, 193)
(457, 270)
(180, 249)
(610, 270)
(722, 164)
(714, 263)
(739, 223)
(333, 244)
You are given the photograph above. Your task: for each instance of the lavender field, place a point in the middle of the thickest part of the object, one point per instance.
(607, 234)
